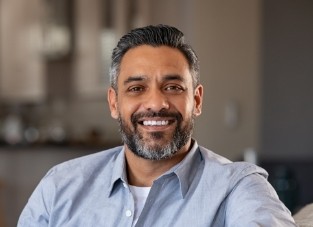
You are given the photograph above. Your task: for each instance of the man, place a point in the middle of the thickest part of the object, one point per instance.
(161, 176)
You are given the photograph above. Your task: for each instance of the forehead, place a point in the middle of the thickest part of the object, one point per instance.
(149, 59)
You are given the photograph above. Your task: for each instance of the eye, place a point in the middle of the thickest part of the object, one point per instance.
(135, 89)
(174, 88)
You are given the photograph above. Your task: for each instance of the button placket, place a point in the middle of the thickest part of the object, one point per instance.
(130, 206)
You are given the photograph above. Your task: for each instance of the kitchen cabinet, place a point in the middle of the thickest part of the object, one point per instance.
(21, 64)
(98, 26)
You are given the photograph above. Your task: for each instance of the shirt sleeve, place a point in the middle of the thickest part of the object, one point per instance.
(254, 202)
(36, 211)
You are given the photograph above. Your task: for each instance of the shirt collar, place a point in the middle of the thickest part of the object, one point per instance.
(185, 171)
(118, 170)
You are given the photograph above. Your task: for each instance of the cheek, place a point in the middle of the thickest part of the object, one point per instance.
(126, 109)
(189, 103)
(184, 107)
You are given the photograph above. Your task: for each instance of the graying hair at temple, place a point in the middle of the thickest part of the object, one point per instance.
(160, 35)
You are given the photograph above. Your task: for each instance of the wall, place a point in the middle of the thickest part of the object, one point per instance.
(287, 123)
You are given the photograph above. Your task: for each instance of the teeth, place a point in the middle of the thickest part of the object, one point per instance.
(152, 123)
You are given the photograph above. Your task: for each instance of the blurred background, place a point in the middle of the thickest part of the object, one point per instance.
(256, 66)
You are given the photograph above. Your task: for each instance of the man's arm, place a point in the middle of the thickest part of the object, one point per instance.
(254, 202)
(35, 213)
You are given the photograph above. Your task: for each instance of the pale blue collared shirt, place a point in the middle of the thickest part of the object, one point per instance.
(205, 189)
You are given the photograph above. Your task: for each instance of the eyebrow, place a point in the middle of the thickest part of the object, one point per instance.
(173, 77)
(134, 79)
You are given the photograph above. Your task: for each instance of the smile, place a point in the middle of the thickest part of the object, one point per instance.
(153, 123)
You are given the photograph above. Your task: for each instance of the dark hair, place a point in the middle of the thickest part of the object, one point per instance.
(160, 35)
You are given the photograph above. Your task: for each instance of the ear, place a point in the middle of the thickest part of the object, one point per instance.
(198, 97)
(112, 100)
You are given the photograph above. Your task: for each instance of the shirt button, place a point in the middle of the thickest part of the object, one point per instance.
(128, 213)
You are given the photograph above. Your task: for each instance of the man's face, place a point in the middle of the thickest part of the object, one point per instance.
(156, 103)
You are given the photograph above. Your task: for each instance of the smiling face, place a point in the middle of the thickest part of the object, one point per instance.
(155, 103)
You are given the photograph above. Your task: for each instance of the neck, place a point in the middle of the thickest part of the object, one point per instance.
(142, 172)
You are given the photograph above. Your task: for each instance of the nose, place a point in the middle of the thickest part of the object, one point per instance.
(156, 101)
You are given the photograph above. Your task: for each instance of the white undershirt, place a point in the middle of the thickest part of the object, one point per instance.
(140, 195)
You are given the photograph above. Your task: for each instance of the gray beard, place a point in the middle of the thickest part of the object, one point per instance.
(136, 142)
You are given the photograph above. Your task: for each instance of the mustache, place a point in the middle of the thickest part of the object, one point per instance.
(150, 114)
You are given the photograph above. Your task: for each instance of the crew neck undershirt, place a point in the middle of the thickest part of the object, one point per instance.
(140, 195)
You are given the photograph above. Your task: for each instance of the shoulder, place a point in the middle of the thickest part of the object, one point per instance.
(85, 166)
(223, 169)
